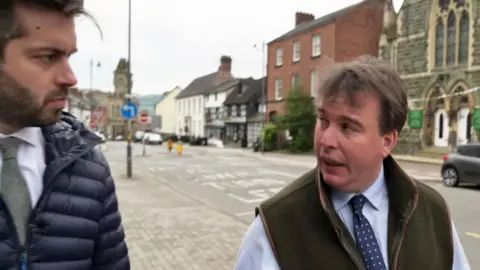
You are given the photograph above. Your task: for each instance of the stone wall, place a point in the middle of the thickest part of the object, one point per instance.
(476, 33)
(412, 17)
(412, 55)
(409, 142)
(415, 86)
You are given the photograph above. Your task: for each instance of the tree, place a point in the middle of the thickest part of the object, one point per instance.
(299, 119)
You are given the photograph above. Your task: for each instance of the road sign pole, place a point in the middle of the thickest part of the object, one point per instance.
(129, 81)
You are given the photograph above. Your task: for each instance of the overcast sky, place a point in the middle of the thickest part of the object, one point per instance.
(174, 42)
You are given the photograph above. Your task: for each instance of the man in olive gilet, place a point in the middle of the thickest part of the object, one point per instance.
(358, 209)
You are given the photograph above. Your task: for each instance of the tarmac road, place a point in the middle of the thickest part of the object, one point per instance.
(231, 182)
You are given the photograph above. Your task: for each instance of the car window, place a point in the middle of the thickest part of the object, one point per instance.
(469, 150)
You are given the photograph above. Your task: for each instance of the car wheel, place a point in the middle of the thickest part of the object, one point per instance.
(450, 177)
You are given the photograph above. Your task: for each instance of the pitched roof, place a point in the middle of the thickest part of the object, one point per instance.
(322, 21)
(253, 89)
(223, 86)
(198, 86)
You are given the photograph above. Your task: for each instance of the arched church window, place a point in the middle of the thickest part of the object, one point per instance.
(439, 43)
(455, 15)
(463, 42)
(451, 38)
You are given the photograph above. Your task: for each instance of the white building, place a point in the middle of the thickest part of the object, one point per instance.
(190, 102)
(166, 109)
(214, 108)
(80, 106)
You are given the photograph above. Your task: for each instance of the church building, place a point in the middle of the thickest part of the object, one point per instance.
(435, 46)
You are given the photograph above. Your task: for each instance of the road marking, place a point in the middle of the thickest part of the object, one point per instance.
(243, 214)
(294, 176)
(474, 235)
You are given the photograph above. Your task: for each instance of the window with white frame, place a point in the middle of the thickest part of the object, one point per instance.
(313, 82)
(279, 57)
(316, 45)
(278, 89)
(296, 51)
(295, 80)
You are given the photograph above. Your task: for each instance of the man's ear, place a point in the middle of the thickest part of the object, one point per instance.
(389, 142)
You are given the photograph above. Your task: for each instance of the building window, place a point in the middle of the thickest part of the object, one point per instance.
(296, 51)
(464, 40)
(295, 80)
(278, 89)
(239, 111)
(439, 43)
(316, 45)
(452, 33)
(451, 38)
(216, 96)
(279, 57)
(313, 82)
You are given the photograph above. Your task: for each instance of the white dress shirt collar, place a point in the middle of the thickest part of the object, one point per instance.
(374, 194)
(30, 135)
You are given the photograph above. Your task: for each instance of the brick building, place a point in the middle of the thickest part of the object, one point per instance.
(435, 46)
(294, 57)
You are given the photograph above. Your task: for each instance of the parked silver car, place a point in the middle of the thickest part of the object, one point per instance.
(462, 165)
(152, 138)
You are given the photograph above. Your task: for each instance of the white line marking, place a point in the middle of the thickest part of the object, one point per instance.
(474, 235)
(243, 214)
(280, 173)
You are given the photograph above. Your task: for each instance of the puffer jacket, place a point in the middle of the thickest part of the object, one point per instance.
(76, 224)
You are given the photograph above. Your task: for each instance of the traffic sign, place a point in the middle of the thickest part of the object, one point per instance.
(129, 110)
(144, 118)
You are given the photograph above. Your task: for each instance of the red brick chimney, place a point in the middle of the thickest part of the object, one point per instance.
(225, 64)
(302, 17)
(224, 70)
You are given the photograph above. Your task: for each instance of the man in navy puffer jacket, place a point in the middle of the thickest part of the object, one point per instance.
(58, 208)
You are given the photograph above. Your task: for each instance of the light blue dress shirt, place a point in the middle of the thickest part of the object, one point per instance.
(257, 254)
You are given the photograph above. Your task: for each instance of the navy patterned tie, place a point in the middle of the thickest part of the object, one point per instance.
(365, 237)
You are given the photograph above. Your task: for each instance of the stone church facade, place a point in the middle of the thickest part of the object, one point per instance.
(435, 46)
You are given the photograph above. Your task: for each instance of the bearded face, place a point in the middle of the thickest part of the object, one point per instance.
(35, 72)
(20, 107)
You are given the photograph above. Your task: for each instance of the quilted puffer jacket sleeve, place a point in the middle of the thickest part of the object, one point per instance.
(111, 251)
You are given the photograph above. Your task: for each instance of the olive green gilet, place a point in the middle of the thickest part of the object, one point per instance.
(306, 233)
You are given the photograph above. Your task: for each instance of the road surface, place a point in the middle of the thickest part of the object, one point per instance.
(190, 211)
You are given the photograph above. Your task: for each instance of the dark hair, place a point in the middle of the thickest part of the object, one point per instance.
(11, 29)
(369, 74)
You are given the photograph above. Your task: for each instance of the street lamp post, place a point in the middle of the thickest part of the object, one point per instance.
(97, 120)
(264, 94)
(129, 91)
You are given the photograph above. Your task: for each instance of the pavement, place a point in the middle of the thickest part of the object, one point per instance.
(191, 211)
